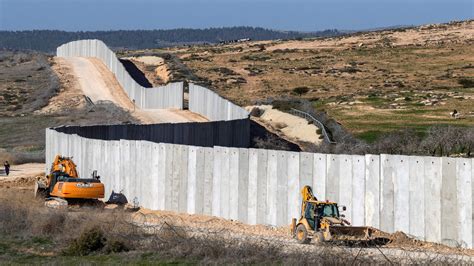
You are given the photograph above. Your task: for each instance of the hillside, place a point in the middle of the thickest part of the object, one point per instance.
(48, 40)
(372, 83)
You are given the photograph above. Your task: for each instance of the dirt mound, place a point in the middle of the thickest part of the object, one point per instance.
(211, 222)
(18, 182)
(401, 240)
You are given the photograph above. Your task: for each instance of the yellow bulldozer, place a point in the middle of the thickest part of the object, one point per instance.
(321, 221)
(63, 182)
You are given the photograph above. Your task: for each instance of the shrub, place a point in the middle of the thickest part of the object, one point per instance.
(115, 246)
(89, 241)
(466, 82)
(301, 90)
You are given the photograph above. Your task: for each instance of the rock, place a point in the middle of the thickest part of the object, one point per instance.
(131, 208)
(256, 112)
(111, 206)
(56, 203)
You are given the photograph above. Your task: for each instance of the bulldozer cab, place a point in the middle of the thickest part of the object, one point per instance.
(316, 211)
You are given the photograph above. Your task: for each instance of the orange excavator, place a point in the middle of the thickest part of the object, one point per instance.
(63, 182)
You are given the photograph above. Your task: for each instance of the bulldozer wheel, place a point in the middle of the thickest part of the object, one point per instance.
(302, 234)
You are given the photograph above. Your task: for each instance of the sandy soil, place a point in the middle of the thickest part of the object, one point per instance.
(91, 77)
(147, 60)
(428, 34)
(161, 69)
(293, 127)
(22, 176)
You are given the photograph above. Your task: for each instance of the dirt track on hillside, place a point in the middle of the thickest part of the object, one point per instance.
(90, 77)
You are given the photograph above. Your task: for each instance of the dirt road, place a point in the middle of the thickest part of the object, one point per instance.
(95, 81)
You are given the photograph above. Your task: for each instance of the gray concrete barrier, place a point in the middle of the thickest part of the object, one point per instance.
(427, 197)
(209, 104)
(168, 96)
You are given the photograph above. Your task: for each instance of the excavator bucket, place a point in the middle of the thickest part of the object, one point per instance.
(356, 233)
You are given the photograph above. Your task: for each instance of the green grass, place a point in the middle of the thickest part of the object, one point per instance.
(30, 251)
(370, 136)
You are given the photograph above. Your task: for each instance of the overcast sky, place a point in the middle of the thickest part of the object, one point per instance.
(302, 15)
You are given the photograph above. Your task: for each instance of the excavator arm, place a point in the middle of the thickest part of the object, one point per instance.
(64, 165)
(307, 195)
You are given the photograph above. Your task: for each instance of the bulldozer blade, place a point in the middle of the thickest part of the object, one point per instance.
(356, 233)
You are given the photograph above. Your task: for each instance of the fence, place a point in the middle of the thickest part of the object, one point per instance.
(209, 104)
(169, 96)
(428, 197)
(315, 121)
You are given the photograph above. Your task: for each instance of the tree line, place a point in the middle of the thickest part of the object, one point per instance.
(48, 40)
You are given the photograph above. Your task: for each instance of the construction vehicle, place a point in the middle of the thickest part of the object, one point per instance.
(63, 182)
(321, 221)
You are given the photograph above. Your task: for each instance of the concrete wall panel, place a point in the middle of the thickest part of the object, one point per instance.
(253, 187)
(225, 183)
(282, 189)
(433, 181)
(133, 182)
(272, 178)
(294, 192)
(449, 213)
(176, 177)
(417, 196)
(216, 181)
(192, 180)
(358, 190)
(333, 175)
(261, 186)
(156, 178)
(401, 194)
(464, 202)
(169, 184)
(372, 190)
(387, 176)
(208, 180)
(345, 184)
(243, 185)
(161, 175)
(319, 175)
(200, 180)
(233, 188)
(183, 179)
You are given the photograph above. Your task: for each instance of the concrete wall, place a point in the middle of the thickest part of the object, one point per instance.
(169, 96)
(209, 104)
(427, 197)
